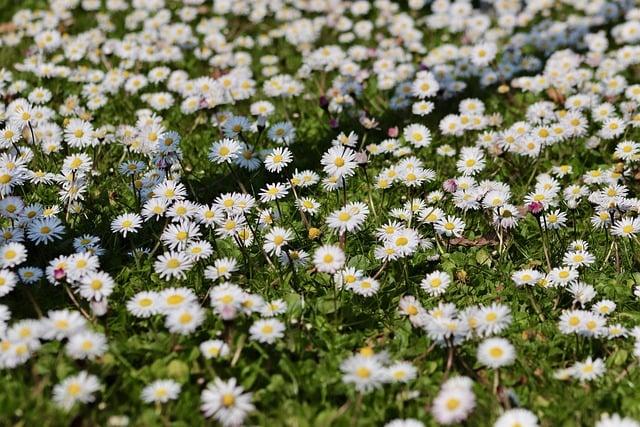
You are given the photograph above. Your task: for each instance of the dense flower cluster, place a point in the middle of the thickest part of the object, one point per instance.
(385, 213)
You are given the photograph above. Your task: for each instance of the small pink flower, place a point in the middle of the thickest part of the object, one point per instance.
(535, 208)
(59, 273)
(99, 308)
(227, 312)
(362, 158)
(450, 185)
(393, 132)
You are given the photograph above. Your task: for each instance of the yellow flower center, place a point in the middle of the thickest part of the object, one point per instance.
(175, 299)
(228, 399)
(344, 216)
(452, 404)
(74, 389)
(363, 372)
(496, 352)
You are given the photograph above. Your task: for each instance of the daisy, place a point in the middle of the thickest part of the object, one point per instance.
(267, 331)
(435, 283)
(616, 331)
(185, 320)
(411, 307)
(589, 370)
(401, 372)
(615, 420)
(10, 135)
(171, 299)
(417, 135)
(169, 191)
(482, 54)
(365, 373)
(366, 286)
(248, 158)
(328, 259)
(554, 220)
(154, 209)
(594, 325)
(517, 418)
(161, 391)
(61, 324)
(214, 349)
(251, 303)
(143, 304)
(86, 345)
(76, 388)
(224, 151)
(226, 299)
(78, 133)
(493, 319)
(8, 281)
(273, 308)
(346, 219)
(308, 205)
(96, 286)
(172, 264)
(577, 259)
(339, 161)
(582, 292)
(496, 352)
(181, 211)
(604, 307)
(626, 227)
(562, 276)
(527, 277)
(126, 223)
(471, 161)
(273, 192)
(178, 236)
(226, 402)
(453, 403)
(276, 239)
(30, 275)
(305, 179)
(450, 226)
(12, 254)
(278, 159)
(221, 269)
(78, 162)
(208, 216)
(425, 86)
(9, 179)
(572, 321)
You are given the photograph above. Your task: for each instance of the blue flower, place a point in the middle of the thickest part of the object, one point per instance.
(236, 125)
(282, 132)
